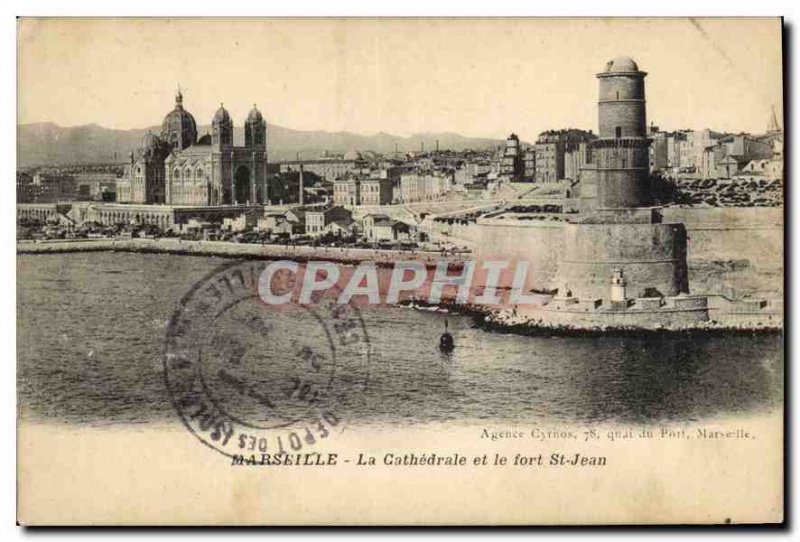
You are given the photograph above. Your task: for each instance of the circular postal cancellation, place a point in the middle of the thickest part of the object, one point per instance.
(258, 380)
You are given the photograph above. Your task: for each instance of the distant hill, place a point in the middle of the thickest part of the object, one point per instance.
(50, 144)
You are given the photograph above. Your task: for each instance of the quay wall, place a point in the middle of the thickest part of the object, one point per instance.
(226, 249)
(655, 319)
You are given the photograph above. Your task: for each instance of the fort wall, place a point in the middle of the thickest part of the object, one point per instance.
(538, 244)
(653, 257)
(753, 236)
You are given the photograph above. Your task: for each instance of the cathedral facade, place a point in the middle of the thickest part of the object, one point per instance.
(177, 168)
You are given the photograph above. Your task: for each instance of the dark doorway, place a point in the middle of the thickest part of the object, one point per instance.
(241, 183)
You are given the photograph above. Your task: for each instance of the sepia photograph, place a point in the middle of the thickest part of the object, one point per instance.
(400, 271)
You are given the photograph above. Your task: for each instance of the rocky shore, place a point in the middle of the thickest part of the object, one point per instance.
(537, 327)
(505, 321)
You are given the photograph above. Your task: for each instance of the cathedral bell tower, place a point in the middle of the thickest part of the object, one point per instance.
(221, 129)
(255, 141)
(255, 129)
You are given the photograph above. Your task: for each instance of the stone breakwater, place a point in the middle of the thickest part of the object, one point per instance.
(514, 322)
(532, 324)
(222, 249)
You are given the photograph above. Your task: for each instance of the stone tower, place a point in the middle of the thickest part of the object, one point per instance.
(622, 150)
(617, 232)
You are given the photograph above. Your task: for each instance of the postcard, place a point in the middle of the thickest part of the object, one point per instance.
(421, 271)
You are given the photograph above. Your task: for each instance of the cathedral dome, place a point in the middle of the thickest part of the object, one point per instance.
(255, 117)
(221, 115)
(179, 126)
(150, 141)
(622, 64)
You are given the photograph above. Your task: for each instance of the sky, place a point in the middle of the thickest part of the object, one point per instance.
(476, 77)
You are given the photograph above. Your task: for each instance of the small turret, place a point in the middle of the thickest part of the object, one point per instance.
(618, 286)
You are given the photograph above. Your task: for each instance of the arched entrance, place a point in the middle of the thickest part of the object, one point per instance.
(241, 185)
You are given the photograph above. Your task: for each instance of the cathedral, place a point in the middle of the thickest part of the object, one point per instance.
(177, 168)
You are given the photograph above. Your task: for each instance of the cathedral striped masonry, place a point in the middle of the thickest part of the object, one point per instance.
(177, 168)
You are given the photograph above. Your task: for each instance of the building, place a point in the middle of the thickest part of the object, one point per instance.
(45, 187)
(347, 191)
(694, 147)
(659, 149)
(550, 153)
(336, 219)
(424, 186)
(376, 191)
(365, 191)
(549, 150)
(756, 167)
(329, 168)
(245, 221)
(675, 143)
(177, 168)
(277, 224)
(380, 227)
(727, 167)
(511, 163)
(25, 193)
(97, 186)
(529, 165)
(470, 170)
(728, 154)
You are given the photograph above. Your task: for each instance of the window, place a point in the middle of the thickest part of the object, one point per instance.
(619, 132)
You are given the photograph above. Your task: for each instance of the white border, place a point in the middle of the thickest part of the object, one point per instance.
(642, 8)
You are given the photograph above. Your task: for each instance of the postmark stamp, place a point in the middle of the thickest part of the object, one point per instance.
(248, 378)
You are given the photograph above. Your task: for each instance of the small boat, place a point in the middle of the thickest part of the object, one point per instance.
(446, 343)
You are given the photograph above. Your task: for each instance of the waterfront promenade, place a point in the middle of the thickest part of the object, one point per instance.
(226, 249)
